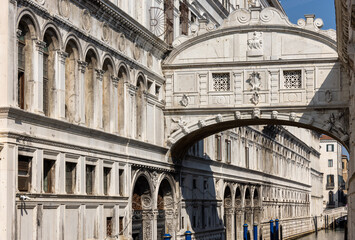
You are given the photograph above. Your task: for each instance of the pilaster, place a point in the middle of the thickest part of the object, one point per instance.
(37, 82)
(60, 84)
(274, 79)
(8, 174)
(98, 101)
(114, 106)
(238, 87)
(81, 84)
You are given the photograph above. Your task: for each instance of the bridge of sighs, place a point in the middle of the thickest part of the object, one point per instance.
(256, 68)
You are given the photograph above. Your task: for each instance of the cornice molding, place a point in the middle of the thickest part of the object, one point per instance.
(60, 125)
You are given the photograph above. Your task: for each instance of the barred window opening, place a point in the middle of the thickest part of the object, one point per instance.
(292, 79)
(221, 82)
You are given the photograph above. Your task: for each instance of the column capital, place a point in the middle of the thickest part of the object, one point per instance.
(99, 74)
(62, 55)
(114, 81)
(18, 33)
(40, 45)
(82, 66)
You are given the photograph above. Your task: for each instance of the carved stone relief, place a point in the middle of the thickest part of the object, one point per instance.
(86, 20)
(64, 8)
(255, 44)
(136, 52)
(121, 43)
(179, 123)
(255, 83)
(106, 33)
(184, 101)
(149, 60)
(336, 124)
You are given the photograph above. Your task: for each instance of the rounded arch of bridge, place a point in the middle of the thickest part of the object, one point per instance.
(180, 140)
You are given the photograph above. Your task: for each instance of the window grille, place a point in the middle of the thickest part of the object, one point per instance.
(109, 227)
(292, 79)
(221, 82)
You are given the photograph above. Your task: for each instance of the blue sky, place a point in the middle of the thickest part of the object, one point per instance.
(323, 9)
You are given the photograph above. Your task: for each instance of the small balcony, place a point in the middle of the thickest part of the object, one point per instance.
(329, 186)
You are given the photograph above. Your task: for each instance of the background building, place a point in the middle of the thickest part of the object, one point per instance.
(331, 166)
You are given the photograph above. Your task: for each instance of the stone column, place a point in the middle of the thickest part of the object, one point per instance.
(37, 84)
(98, 99)
(155, 224)
(81, 92)
(8, 174)
(147, 217)
(114, 106)
(239, 223)
(80, 176)
(99, 174)
(229, 212)
(60, 85)
(131, 119)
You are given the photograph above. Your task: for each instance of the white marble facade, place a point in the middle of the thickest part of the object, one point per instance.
(84, 128)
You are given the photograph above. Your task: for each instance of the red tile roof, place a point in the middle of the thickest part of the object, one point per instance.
(325, 137)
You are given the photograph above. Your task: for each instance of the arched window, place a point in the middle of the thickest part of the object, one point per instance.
(164, 202)
(90, 79)
(106, 94)
(25, 66)
(71, 81)
(49, 54)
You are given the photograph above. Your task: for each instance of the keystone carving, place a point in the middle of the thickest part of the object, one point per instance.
(256, 113)
(293, 117)
(201, 123)
(179, 123)
(274, 115)
(336, 124)
(219, 118)
(237, 115)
